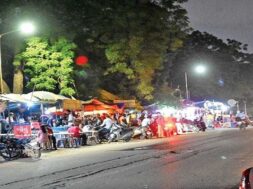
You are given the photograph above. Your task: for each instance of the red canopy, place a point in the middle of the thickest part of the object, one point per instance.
(95, 104)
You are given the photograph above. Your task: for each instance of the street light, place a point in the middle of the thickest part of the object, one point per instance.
(200, 69)
(25, 28)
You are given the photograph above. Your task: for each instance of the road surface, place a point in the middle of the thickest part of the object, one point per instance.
(214, 159)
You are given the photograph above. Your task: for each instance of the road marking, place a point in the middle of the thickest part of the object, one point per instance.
(223, 157)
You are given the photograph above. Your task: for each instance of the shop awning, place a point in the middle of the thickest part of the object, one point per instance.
(16, 98)
(44, 96)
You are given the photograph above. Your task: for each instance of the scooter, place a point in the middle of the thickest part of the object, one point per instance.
(142, 133)
(118, 132)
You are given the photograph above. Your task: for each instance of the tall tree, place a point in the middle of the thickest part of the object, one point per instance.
(49, 65)
(139, 31)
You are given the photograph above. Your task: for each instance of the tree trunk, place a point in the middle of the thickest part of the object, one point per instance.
(18, 82)
(6, 88)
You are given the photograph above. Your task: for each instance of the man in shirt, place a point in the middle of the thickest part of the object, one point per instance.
(106, 127)
(145, 124)
(107, 123)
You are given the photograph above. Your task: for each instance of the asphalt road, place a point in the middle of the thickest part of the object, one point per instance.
(214, 159)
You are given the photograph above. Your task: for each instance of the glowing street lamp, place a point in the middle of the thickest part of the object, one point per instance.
(25, 28)
(199, 69)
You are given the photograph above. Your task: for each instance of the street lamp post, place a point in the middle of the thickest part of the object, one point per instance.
(186, 85)
(245, 107)
(200, 69)
(26, 28)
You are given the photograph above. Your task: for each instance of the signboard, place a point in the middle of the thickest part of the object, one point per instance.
(22, 130)
(69, 104)
(35, 125)
(128, 103)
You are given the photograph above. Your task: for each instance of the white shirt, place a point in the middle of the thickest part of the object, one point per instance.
(145, 122)
(107, 123)
(86, 128)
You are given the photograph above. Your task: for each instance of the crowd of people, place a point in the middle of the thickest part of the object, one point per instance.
(77, 125)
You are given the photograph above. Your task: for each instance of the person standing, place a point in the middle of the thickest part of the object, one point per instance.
(70, 118)
(51, 137)
(160, 125)
(42, 137)
(145, 124)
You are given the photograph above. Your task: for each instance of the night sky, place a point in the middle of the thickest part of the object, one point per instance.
(223, 18)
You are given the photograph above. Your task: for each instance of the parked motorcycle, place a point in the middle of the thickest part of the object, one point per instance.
(103, 134)
(142, 133)
(119, 132)
(13, 148)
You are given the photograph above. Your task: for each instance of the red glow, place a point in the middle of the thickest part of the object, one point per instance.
(81, 60)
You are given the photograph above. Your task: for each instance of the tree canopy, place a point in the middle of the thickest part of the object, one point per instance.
(48, 65)
(126, 40)
(136, 48)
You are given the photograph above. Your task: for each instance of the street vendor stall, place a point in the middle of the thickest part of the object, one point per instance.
(94, 106)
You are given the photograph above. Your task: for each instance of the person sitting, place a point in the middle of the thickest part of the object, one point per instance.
(76, 133)
(105, 127)
(107, 123)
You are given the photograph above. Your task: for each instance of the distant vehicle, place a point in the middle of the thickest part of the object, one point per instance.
(247, 179)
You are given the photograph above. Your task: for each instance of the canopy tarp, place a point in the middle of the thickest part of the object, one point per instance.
(44, 96)
(107, 96)
(16, 98)
(94, 104)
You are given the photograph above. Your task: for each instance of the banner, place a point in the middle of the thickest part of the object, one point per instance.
(69, 104)
(35, 125)
(22, 130)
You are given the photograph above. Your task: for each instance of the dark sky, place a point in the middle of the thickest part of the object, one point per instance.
(223, 18)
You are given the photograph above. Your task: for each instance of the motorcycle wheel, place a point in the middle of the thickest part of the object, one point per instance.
(10, 153)
(100, 140)
(127, 139)
(110, 140)
(4, 153)
(36, 153)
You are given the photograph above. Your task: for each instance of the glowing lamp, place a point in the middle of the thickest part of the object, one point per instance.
(81, 60)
